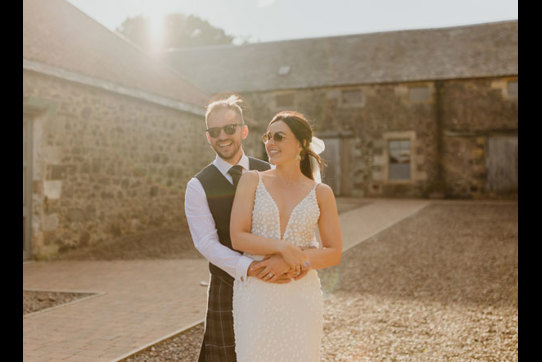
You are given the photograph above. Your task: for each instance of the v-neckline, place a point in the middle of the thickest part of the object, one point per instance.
(278, 210)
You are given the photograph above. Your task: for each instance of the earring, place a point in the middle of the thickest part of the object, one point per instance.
(298, 157)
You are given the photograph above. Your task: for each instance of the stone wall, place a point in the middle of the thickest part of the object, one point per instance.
(104, 164)
(473, 112)
(447, 124)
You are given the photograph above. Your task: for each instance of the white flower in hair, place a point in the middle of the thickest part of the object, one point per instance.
(317, 146)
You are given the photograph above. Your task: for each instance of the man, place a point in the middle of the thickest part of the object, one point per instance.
(208, 201)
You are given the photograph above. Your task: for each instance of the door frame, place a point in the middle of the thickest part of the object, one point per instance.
(27, 185)
(342, 185)
(35, 111)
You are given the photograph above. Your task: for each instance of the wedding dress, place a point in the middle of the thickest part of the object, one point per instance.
(280, 322)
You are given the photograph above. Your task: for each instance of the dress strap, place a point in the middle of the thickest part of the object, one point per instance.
(314, 191)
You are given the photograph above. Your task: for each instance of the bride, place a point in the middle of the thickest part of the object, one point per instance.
(277, 212)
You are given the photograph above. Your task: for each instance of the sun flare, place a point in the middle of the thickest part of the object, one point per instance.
(156, 27)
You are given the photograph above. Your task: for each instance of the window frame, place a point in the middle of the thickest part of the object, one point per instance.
(401, 136)
(400, 149)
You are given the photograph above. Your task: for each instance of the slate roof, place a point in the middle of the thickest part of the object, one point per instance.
(480, 50)
(58, 34)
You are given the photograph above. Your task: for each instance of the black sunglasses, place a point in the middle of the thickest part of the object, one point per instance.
(229, 129)
(277, 137)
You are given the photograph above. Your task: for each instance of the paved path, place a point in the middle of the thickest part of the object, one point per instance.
(140, 302)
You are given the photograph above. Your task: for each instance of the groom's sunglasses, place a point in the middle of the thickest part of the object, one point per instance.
(277, 137)
(229, 129)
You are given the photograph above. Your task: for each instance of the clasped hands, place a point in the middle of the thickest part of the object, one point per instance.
(275, 269)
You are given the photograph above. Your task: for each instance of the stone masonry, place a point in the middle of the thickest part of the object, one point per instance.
(447, 122)
(105, 165)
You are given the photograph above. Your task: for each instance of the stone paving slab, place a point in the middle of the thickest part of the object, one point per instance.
(140, 302)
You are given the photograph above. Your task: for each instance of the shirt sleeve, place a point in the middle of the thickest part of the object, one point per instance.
(205, 237)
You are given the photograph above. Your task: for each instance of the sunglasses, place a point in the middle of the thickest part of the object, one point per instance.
(277, 137)
(229, 129)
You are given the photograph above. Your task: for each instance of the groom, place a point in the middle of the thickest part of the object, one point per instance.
(208, 201)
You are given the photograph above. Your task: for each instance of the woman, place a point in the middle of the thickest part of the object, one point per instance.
(277, 212)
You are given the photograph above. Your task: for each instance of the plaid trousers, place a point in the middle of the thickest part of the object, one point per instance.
(218, 339)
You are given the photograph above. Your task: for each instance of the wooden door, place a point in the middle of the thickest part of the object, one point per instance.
(502, 164)
(332, 172)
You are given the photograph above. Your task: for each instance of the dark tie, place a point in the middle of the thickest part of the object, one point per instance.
(236, 172)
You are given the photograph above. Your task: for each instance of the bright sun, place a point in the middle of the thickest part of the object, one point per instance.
(156, 29)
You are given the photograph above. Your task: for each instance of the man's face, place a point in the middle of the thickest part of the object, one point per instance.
(228, 147)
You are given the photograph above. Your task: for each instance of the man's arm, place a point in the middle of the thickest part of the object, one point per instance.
(204, 234)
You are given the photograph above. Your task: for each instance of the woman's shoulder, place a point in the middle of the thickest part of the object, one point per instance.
(324, 192)
(250, 177)
(322, 187)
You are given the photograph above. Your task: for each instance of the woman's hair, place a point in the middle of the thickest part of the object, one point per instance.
(233, 102)
(302, 130)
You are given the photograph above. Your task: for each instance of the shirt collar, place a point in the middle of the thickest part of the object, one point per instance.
(224, 166)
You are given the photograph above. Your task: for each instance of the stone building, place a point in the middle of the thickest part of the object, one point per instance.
(110, 136)
(417, 113)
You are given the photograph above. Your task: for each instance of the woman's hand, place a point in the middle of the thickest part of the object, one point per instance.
(294, 257)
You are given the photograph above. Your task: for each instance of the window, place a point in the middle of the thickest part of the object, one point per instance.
(284, 100)
(284, 70)
(419, 94)
(399, 160)
(513, 89)
(351, 97)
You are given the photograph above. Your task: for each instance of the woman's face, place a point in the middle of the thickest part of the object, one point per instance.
(284, 150)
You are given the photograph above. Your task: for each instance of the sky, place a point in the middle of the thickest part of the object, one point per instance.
(271, 20)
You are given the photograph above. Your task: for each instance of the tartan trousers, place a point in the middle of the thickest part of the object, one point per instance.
(218, 339)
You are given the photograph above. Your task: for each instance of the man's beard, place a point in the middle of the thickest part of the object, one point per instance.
(233, 154)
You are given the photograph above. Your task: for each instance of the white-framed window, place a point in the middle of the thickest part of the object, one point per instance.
(399, 160)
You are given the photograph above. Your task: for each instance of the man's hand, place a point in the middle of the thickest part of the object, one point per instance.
(274, 269)
(271, 269)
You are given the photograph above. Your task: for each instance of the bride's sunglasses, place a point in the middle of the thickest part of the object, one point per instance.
(277, 137)
(229, 129)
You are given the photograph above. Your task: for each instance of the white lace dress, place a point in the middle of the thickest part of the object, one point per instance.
(280, 322)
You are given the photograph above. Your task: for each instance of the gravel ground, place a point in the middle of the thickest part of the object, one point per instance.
(441, 285)
(34, 301)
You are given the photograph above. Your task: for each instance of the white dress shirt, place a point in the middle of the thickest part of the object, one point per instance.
(203, 228)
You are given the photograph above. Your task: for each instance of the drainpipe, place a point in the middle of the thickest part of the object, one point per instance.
(438, 188)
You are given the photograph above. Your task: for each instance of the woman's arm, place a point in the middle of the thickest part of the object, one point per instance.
(241, 223)
(330, 231)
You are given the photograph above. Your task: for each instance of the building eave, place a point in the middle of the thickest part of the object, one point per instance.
(76, 77)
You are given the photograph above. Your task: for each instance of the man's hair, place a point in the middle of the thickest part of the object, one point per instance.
(232, 102)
